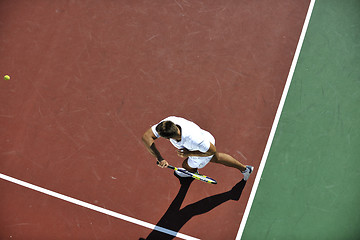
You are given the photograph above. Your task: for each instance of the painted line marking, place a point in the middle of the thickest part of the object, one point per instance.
(276, 121)
(96, 208)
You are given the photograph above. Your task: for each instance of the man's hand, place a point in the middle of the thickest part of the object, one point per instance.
(163, 164)
(183, 153)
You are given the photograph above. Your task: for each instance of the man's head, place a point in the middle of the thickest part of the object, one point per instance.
(167, 129)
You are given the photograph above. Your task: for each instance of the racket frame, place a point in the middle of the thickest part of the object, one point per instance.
(195, 175)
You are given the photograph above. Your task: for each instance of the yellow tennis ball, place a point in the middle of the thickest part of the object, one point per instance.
(7, 77)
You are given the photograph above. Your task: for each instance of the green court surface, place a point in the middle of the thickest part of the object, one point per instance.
(310, 185)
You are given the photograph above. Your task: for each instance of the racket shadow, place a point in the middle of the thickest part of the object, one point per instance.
(175, 218)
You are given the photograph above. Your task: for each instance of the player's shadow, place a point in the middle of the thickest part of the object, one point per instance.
(175, 218)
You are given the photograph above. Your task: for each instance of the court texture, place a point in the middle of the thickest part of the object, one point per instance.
(276, 82)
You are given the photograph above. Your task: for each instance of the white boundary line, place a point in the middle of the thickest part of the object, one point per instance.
(96, 208)
(276, 121)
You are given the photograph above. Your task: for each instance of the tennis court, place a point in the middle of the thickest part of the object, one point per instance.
(88, 78)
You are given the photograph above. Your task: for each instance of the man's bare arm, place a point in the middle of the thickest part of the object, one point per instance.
(149, 142)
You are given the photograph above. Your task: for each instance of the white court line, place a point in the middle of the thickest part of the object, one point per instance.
(96, 208)
(276, 121)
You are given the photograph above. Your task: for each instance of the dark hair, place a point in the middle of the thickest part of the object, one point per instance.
(167, 129)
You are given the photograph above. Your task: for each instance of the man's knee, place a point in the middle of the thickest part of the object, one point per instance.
(215, 158)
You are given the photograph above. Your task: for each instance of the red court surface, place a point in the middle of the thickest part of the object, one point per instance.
(88, 78)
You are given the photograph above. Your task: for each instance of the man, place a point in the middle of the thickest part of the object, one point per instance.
(194, 144)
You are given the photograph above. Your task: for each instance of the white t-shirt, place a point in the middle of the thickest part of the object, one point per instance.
(193, 138)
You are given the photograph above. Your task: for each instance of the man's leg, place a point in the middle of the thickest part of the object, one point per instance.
(187, 167)
(227, 160)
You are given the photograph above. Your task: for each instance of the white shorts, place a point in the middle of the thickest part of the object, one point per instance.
(200, 162)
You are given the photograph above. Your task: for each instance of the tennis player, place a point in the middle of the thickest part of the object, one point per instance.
(194, 144)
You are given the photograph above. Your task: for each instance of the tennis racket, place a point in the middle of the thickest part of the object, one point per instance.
(195, 175)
